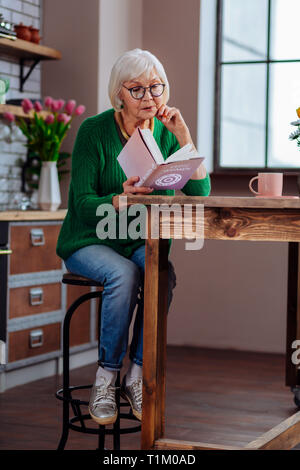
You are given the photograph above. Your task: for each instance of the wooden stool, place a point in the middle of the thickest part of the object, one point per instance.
(77, 423)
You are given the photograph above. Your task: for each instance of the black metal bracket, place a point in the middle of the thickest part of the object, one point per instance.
(23, 77)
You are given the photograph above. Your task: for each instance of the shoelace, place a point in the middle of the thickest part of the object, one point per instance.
(105, 394)
(138, 391)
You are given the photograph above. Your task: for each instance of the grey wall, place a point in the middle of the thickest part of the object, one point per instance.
(73, 29)
(229, 294)
(171, 32)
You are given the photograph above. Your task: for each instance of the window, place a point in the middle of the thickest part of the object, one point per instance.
(257, 84)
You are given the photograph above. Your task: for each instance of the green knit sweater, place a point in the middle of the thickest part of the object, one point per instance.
(96, 177)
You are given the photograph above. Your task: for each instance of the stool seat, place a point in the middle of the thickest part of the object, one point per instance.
(76, 280)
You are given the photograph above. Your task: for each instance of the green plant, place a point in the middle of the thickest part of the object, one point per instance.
(296, 134)
(45, 132)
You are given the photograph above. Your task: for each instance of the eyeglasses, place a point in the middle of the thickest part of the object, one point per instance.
(138, 92)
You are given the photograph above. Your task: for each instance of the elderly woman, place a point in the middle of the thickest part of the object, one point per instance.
(139, 92)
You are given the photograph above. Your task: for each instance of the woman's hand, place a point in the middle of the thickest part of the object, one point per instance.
(174, 122)
(130, 189)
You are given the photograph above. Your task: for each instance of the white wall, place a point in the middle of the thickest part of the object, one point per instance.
(229, 294)
(13, 153)
(120, 31)
(90, 39)
(73, 29)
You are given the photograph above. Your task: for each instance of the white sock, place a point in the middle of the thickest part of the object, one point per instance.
(108, 374)
(134, 372)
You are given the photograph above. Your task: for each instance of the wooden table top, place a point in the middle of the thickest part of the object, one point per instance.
(217, 201)
(15, 215)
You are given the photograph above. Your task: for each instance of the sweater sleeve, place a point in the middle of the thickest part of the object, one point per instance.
(197, 187)
(200, 187)
(85, 176)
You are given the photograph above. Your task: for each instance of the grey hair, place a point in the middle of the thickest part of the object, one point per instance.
(129, 66)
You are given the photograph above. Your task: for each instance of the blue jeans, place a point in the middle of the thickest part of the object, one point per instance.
(122, 279)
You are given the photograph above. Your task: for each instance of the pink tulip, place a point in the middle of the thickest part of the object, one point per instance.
(63, 118)
(60, 103)
(27, 105)
(79, 110)
(70, 106)
(48, 101)
(38, 107)
(49, 119)
(55, 106)
(9, 116)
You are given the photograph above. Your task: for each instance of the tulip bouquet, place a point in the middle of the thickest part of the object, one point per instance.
(296, 134)
(46, 131)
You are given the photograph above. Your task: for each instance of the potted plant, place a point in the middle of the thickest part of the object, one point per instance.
(45, 133)
(296, 134)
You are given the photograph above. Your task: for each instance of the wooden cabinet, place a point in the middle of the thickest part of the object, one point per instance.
(33, 300)
(32, 342)
(33, 248)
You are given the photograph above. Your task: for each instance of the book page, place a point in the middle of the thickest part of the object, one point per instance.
(152, 145)
(184, 153)
(135, 157)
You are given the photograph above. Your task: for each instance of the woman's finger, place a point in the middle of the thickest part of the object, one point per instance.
(131, 180)
(139, 189)
(173, 112)
(162, 111)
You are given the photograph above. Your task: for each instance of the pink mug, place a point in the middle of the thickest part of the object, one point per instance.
(269, 184)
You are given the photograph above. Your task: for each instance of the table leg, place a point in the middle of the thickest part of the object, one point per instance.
(293, 313)
(154, 341)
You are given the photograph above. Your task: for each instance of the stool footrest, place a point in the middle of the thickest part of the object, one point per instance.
(86, 430)
(79, 417)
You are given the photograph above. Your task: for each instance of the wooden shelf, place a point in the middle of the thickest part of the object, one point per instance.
(18, 111)
(28, 50)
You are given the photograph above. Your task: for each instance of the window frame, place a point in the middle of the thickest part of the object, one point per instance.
(217, 93)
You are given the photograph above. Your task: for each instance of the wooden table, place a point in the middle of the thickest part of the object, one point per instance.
(225, 218)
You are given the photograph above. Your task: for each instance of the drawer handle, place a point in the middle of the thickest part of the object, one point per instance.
(36, 338)
(36, 296)
(37, 236)
(5, 252)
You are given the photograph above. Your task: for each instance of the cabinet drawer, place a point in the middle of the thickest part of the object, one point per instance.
(80, 323)
(32, 300)
(33, 248)
(33, 342)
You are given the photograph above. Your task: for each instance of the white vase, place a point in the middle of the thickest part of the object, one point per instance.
(49, 191)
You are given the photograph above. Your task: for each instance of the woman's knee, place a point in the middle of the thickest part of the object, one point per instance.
(125, 276)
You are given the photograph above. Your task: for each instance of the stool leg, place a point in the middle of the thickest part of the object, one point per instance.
(66, 365)
(101, 437)
(117, 422)
(66, 378)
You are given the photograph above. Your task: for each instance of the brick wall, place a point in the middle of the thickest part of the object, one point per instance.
(12, 150)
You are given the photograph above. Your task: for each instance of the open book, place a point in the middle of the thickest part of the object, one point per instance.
(142, 157)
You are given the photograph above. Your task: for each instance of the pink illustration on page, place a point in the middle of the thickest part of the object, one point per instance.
(166, 180)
